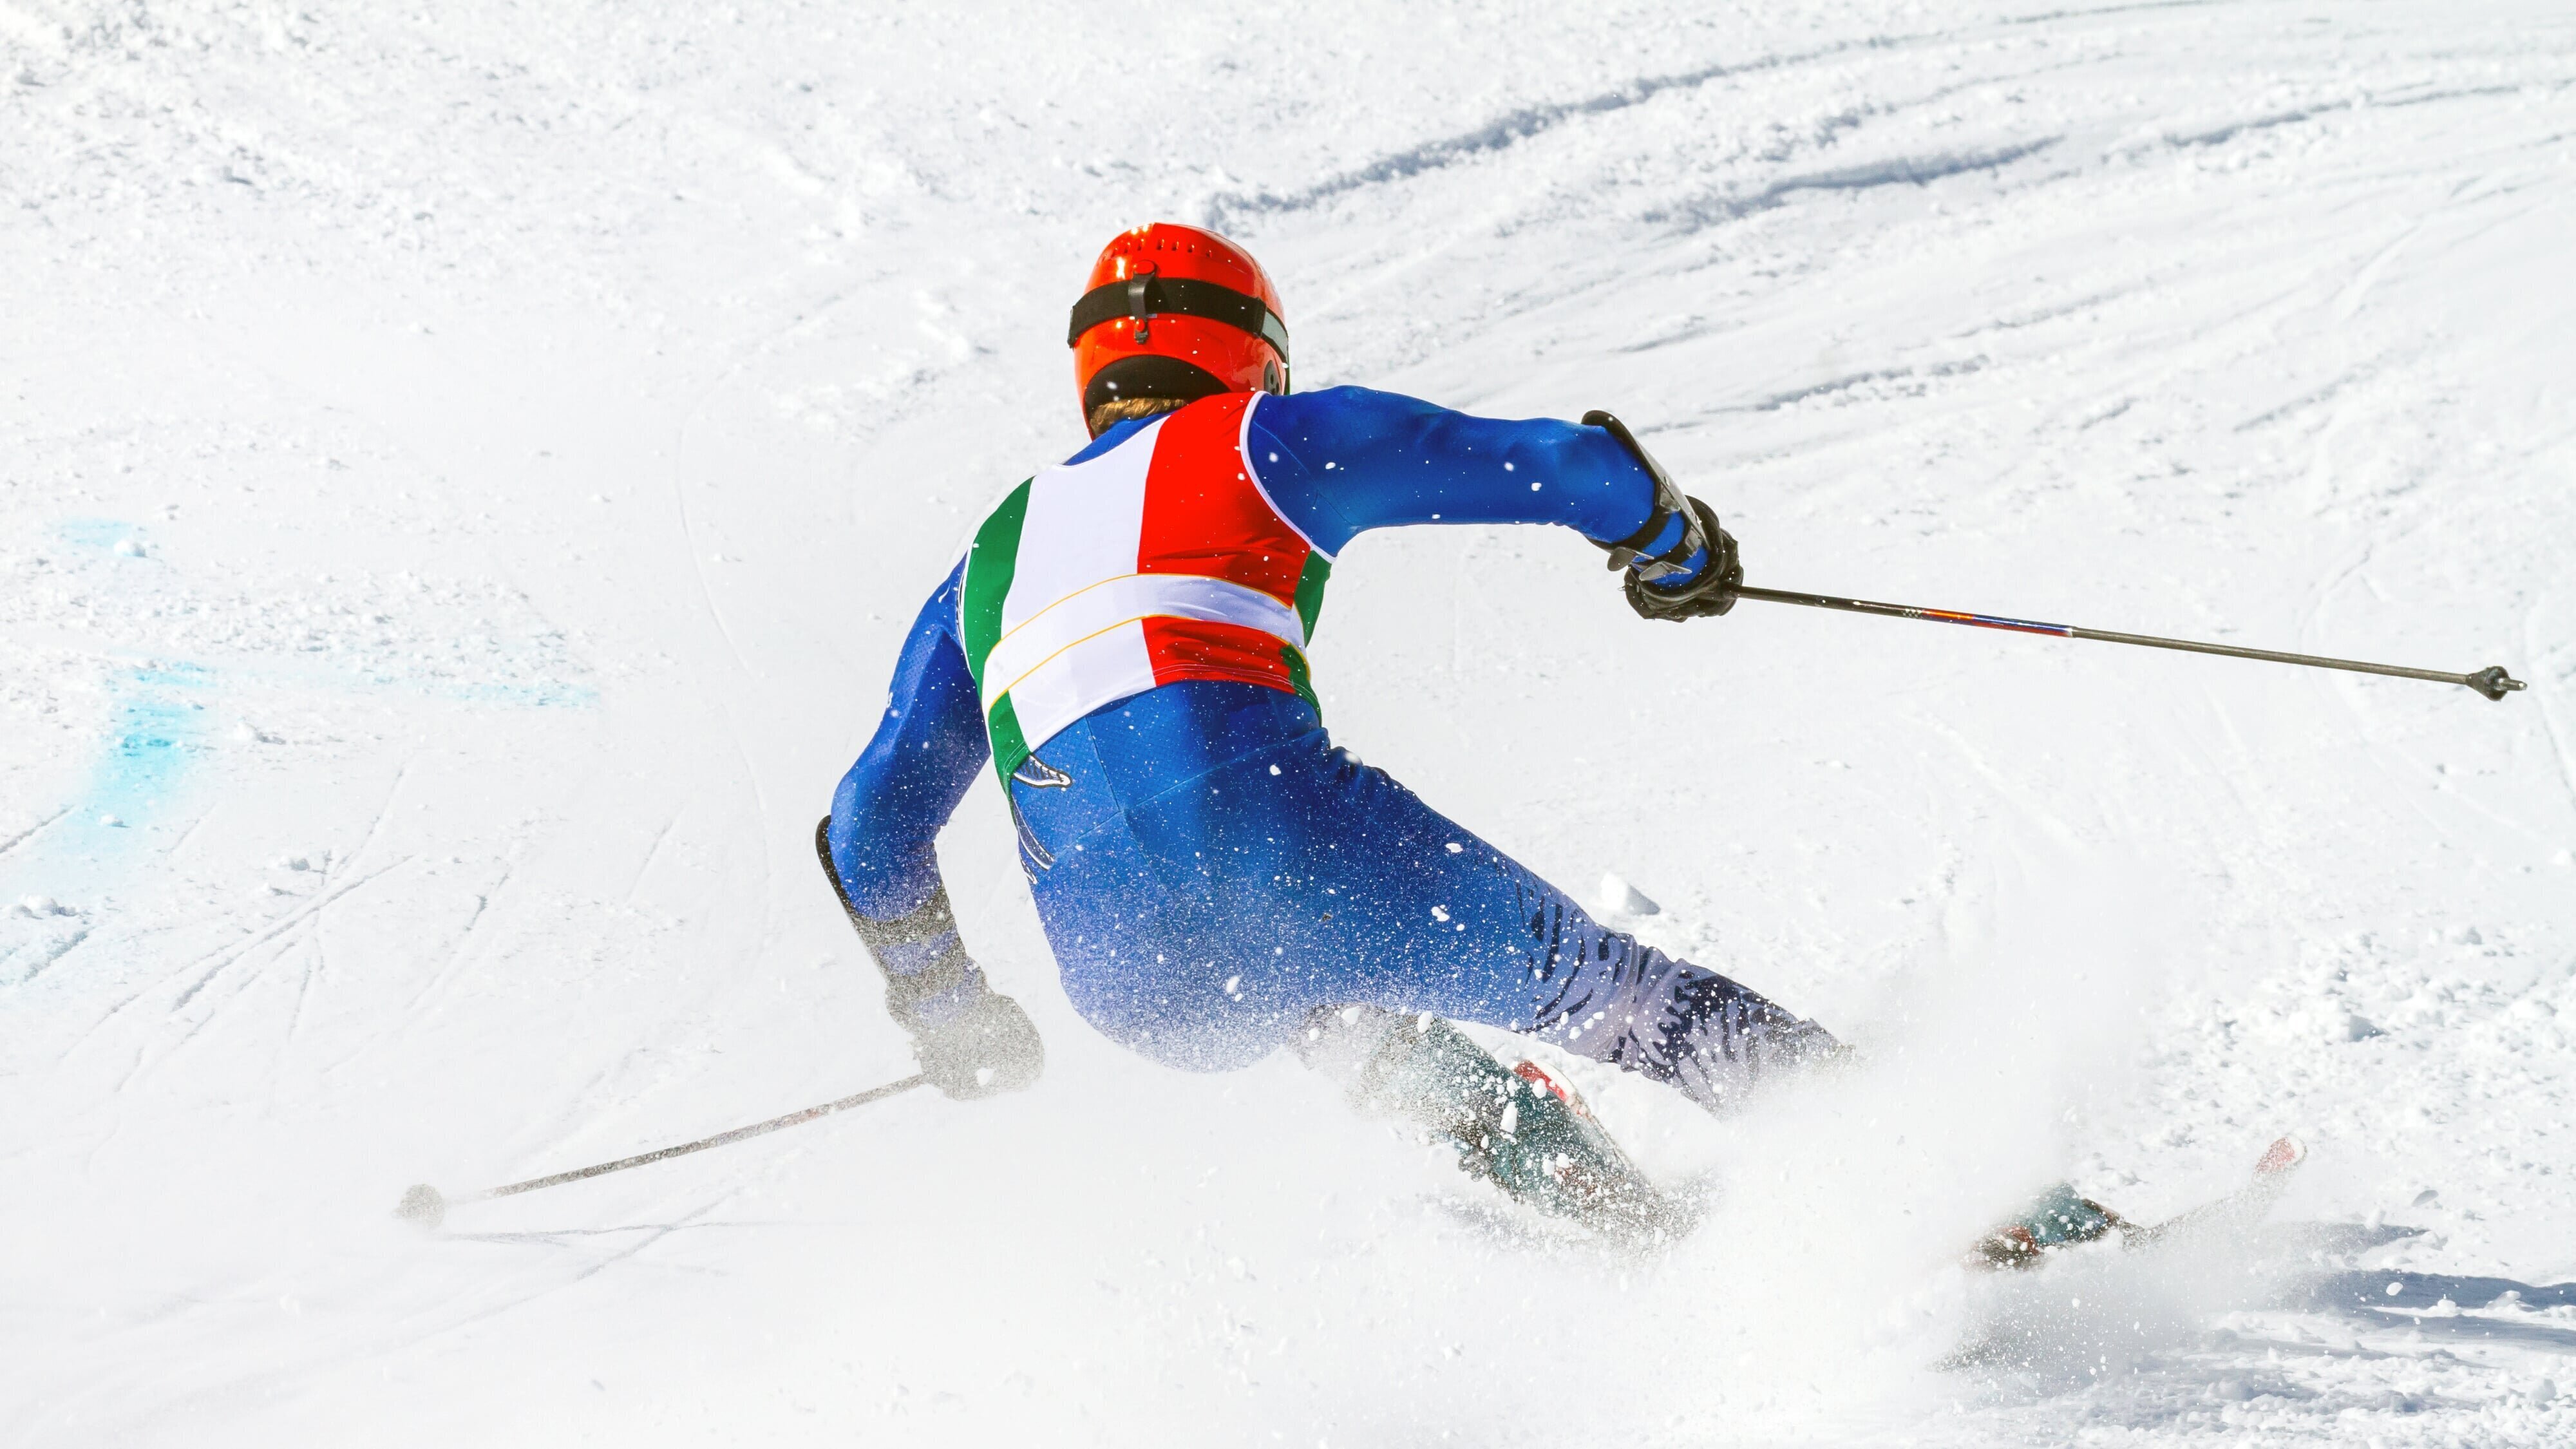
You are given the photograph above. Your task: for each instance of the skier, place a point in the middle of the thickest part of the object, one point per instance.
(1125, 640)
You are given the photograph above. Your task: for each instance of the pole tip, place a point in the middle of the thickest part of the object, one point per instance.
(423, 1205)
(2493, 682)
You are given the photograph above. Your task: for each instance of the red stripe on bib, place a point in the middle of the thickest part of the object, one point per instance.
(1203, 513)
(1197, 649)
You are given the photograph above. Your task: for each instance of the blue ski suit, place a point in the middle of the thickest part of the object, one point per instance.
(1212, 869)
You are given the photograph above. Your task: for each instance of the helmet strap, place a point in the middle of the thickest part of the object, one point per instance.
(1139, 289)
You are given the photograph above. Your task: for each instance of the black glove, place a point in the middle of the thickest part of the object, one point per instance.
(984, 1048)
(1713, 592)
(970, 1040)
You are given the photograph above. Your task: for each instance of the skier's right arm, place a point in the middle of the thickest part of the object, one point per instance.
(877, 848)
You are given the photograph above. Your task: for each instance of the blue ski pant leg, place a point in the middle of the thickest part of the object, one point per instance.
(1201, 922)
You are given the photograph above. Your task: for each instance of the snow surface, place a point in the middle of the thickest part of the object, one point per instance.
(464, 471)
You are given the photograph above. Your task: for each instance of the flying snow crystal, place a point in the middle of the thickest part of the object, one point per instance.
(129, 548)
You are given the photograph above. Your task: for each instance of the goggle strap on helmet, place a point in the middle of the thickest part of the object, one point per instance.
(1142, 297)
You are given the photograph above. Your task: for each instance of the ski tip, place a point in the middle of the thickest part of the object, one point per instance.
(423, 1205)
(2284, 1154)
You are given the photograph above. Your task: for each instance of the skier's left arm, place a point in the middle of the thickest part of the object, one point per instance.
(877, 848)
(1345, 460)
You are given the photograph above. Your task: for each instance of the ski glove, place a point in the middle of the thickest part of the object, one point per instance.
(971, 1041)
(1720, 574)
(1713, 592)
(985, 1048)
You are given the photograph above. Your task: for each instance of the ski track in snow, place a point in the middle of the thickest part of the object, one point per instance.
(465, 474)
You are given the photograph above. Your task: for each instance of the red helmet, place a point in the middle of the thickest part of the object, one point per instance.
(1173, 311)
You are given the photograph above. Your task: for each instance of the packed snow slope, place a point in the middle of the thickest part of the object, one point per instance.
(464, 471)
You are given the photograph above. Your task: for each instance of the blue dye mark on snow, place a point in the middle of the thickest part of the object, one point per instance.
(156, 728)
(60, 872)
(103, 534)
(154, 731)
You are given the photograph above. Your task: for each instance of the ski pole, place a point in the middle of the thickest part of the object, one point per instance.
(427, 1206)
(2491, 681)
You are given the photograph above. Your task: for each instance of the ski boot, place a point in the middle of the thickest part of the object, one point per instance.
(2061, 1218)
(1515, 1127)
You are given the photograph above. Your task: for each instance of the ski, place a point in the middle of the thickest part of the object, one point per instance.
(2063, 1218)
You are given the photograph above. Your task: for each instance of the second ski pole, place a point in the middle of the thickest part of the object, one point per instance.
(427, 1206)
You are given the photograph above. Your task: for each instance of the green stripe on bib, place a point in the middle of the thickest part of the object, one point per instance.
(990, 562)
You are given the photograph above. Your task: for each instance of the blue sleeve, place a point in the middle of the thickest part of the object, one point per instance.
(1343, 461)
(907, 782)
